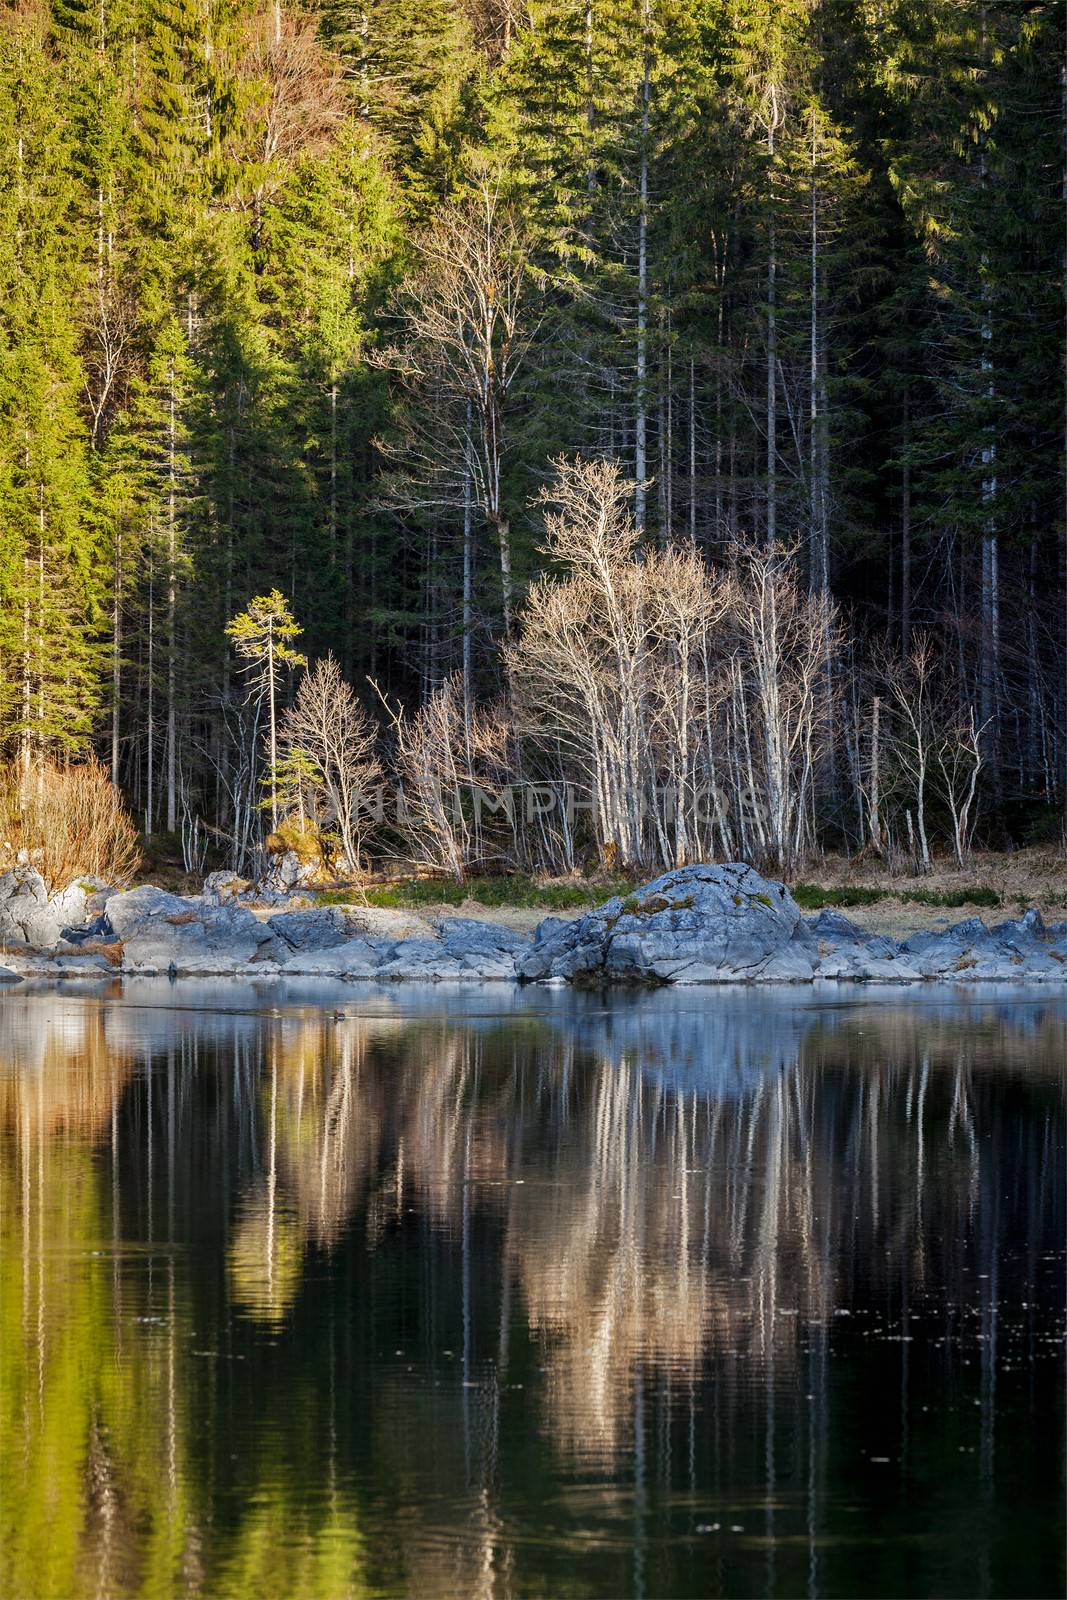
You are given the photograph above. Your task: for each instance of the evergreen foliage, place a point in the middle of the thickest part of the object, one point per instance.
(798, 267)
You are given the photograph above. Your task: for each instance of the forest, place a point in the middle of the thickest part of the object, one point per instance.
(540, 434)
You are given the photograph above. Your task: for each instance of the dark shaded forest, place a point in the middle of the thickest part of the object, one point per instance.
(377, 304)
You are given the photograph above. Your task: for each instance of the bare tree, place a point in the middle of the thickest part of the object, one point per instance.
(959, 760)
(913, 700)
(671, 683)
(328, 727)
(465, 334)
(446, 759)
(789, 637)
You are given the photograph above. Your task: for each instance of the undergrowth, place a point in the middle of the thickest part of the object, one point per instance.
(517, 891)
(811, 897)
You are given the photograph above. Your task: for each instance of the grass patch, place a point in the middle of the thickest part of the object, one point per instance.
(510, 891)
(810, 897)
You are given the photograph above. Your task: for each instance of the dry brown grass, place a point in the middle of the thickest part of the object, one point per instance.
(111, 952)
(1036, 875)
(71, 821)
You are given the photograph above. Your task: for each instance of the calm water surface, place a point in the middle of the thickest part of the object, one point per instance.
(321, 1291)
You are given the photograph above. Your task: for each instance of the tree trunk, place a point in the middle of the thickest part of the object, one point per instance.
(333, 474)
(692, 452)
(468, 569)
(116, 654)
(150, 728)
(640, 416)
(905, 539)
(503, 528)
(172, 596)
(816, 559)
(273, 731)
(772, 357)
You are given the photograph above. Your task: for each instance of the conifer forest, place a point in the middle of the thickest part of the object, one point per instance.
(621, 397)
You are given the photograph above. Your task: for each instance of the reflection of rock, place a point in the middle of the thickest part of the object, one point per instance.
(726, 1048)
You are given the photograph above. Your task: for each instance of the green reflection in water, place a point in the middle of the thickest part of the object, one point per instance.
(728, 1294)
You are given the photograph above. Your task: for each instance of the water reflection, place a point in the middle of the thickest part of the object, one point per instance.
(334, 1292)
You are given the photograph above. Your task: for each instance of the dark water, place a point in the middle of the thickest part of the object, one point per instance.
(330, 1292)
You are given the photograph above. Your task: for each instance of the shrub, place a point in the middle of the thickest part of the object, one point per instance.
(302, 838)
(71, 822)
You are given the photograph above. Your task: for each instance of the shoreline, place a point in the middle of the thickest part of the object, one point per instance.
(698, 926)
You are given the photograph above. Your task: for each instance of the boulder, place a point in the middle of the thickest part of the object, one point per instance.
(460, 949)
(70, 904)
(288, 872)
(25, 915)
(356, 958)
(969, 952)
(703, 924)
(26, 883)
(164, 932)
(318, 928)
(222, 886)
(847, 951)
(463, 949)
(382, 922)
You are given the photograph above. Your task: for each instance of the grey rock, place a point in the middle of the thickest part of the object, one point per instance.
(98, 928)
(357, 958)
(382, 922)
(165, 932)
(132, 907)
(421, 960)
(26, 883)
(319, 928)
(468, 936)
(87, 965)
(7, 976)
(221, 886)
(25, 915)
(698, 924)
(847, 951)
(288, 872)
(69, 905)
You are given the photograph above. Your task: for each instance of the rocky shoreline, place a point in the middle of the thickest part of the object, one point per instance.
(696, 925)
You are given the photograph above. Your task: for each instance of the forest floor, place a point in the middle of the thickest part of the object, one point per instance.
(995, 886)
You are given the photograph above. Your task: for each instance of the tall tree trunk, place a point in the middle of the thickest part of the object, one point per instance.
(817, 575)
(333, 473)
(503, 528)
(172, 606)
(772, 340)
(273, 730)
(150, 728)
(468, 572)
(116, 653)
(692, 452)
(905, 537)
(640, 415)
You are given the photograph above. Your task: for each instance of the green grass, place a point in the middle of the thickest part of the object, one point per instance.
(520, 891)
(503, 890)
(810, 897)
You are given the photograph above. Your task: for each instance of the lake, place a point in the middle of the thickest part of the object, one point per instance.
(325, 1290)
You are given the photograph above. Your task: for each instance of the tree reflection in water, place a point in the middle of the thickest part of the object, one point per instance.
(482, 1294)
